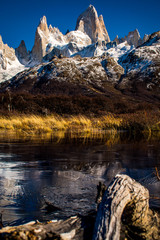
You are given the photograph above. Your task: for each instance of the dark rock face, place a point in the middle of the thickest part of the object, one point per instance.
(22, 54)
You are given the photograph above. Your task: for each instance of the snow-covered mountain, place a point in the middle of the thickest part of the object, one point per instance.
(69, 75)
(50, 41)
(85, 55)
(101, 47)
(142, 67)
(9, 64)
(125, 68)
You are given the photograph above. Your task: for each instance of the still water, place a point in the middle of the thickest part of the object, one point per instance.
(66, 171)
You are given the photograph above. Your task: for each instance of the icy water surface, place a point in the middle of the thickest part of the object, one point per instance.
(66, 172)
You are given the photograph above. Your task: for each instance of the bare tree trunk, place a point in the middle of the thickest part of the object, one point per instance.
(126, 197)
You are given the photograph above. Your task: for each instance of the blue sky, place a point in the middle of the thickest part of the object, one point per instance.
(19, 19)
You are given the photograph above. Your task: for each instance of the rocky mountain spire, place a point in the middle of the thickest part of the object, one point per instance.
(145, 38)
(41, 39)
(116, 40)
(43, 25)
(22, 54)
(107, 38)
(1, 43)
(89, 22)
(133, 38)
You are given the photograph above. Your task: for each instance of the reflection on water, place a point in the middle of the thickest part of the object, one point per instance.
(110, 137)
(66, 170)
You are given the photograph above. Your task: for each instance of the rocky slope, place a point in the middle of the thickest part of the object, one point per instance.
(9, 64)
(7, 55)
(142, 68)
(102, 48)
(86, 76)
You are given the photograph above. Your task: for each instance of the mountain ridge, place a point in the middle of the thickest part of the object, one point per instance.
(84, 60)
(90, 28)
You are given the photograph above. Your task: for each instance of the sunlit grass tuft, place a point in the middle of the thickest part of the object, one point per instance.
(39, 124)
(34, 124)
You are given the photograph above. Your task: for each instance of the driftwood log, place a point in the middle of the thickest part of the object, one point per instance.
(128, 200)
(125, 202)
(76, 228)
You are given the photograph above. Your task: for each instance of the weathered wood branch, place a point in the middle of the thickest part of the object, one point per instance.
(126, 197)
(73, 228)
(125, 201)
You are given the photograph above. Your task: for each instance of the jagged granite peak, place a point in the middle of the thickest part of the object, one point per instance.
(116, 39)
(22, 54)
(48, 39)
(89, 23)
(1, 42)
(43, 24)
(41, 39)
(39, 48)
(105, 33)
(50, 28)
(22, 48)
(56, 34)
(145, 38)
(133, 38)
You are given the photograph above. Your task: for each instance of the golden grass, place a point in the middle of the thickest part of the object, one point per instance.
(33, 124)
(39, 124)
